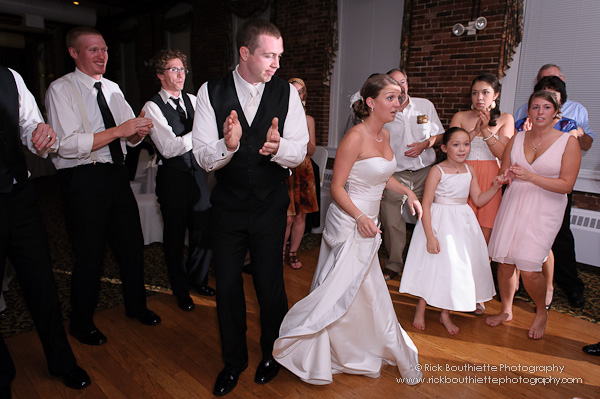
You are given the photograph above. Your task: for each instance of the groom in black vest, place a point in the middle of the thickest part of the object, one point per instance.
(181, 185)
(237, 126)
(23, 235)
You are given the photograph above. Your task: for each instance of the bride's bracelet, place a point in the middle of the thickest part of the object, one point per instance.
(358, 217)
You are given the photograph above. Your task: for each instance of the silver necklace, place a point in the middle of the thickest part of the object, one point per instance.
(535, 147)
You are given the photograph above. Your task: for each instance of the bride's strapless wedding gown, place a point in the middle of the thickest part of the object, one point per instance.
(347, 324)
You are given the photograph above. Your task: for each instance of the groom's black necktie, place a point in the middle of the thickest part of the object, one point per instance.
(114, 146)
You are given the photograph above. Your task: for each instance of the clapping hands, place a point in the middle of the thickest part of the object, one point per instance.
(271, 146)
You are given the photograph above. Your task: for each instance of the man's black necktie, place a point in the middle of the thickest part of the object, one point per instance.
(179, 110)
(114, 146)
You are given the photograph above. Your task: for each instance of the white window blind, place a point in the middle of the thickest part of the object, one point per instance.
(565, 33)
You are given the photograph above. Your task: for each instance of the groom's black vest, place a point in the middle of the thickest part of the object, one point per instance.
(12, 159)
(248, 171)
(185, 162)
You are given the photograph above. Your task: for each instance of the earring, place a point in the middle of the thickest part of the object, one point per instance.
(372, 109)
(472, 106)
(493, 106)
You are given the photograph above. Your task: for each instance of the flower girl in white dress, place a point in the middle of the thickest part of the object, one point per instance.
(447, 265)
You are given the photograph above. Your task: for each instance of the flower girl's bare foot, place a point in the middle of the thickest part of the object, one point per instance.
(419, 320)
(498, 319)
(538, 327)
(447, 322)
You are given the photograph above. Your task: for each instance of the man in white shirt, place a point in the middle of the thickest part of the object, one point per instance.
(94, 123)
(22, 233)
(413, 133)
(237, 126)
(181, 185)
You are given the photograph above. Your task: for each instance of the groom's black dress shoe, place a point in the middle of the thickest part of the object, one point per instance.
(266, 371)
(576, 299)
(92, 337)
(205, 290)
(593, 349)
(185, 303)
(148, 318)
(77, 378)
(227, 380)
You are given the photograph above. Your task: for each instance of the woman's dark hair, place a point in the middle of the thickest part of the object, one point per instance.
(553, 83)
(371, 88)
(440, 155)
(493, 81)
(548, 96)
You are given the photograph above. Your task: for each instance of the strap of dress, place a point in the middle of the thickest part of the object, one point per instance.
(440, 168)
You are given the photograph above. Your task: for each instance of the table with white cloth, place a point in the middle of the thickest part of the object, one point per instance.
(143, 187)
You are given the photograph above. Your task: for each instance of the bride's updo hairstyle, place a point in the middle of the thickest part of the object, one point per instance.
(371, 88)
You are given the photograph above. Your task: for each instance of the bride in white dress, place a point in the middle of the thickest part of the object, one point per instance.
(347, 324)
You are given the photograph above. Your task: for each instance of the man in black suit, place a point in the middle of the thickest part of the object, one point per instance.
(236, 132)
(22, 233)
(95, 125)
(181, 185)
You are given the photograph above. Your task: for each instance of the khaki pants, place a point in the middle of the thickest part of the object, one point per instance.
(394, 226)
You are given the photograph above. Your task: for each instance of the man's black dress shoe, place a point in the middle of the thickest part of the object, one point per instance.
(226, 381)
(593, 349)
(205, 290)
(92, 337)
(148, 318)
(576, 299)
(266, 371)
(5, 393)
(185, 304)
(77, 378)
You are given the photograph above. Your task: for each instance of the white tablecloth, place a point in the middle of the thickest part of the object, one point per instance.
(143, 187)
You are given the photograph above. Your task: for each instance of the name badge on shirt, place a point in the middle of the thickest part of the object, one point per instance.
(424, 126)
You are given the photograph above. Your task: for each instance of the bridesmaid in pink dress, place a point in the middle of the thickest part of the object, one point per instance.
(533, 206)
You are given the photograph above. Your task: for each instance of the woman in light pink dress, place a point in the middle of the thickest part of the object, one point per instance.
(533, 206)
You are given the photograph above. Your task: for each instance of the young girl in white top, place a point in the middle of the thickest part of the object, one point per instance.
(447, 264)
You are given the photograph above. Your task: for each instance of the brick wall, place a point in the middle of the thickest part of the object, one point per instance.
(441, 66)
(588, 201)
(211, 41)
(304, 26)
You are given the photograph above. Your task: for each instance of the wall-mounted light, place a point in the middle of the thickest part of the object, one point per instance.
(472, 27)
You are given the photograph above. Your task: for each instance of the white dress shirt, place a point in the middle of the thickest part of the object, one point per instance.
(64, 117)
(167, 143)
(405, 130)
(212, 153)
(29, 117)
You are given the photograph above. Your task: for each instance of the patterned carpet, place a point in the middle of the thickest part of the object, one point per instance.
(16, 318)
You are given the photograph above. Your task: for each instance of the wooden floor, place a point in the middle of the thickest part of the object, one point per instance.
(180, 358)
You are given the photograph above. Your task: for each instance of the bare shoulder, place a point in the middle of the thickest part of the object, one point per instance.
(352, 140)
(459, 118)
(506, 118)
